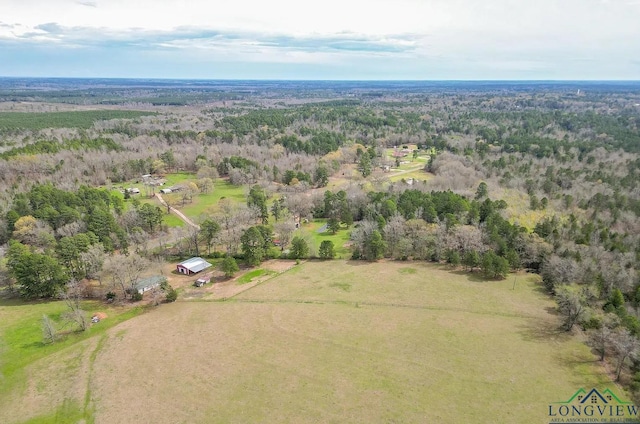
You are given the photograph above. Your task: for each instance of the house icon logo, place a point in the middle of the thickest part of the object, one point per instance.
(594, 406)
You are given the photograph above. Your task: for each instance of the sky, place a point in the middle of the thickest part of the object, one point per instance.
(325, 40)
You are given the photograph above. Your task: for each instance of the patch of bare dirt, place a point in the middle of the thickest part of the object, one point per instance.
(224, 288)
(278, 265)
(229, 288)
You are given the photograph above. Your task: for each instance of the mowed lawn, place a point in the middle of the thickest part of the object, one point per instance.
(202, 203)
(340, 239)
(344, 342)
(208, 202)
(416, 174)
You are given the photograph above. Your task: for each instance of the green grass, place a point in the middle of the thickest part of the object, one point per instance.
(417, 174)
(410, 168)
(70, 412)
(342, 286)
(339, 239)
(21, 333)
(249, 276)
(72, 119)
(407, 270)
(173, 221)
(208, 202)
(428, 344)
(340, 341)
(204, 203)
(178, 177)
(201, 203)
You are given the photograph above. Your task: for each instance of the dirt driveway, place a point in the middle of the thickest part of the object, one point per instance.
(223, 288)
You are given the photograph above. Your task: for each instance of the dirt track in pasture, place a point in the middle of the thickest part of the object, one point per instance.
(339, 342)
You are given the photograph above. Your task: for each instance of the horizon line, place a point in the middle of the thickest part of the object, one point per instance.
(314, 79)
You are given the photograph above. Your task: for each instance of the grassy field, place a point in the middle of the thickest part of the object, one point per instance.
(22, 352)
(202, 203)
(205, 202)
(416, 174)
(251, 275)
(410, 167)
(70, 119)
(173, 221)
(328, 342)
(339, 239)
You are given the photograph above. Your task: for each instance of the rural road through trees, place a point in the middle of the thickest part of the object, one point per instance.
(177, 212)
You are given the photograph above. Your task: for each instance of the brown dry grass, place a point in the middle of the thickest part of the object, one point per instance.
(225, 288)
(344, 342)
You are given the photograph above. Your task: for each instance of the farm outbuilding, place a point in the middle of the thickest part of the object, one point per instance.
(147, 284)
(205, 279)
(192, 266)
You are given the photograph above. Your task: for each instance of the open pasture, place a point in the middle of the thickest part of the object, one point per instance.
(343, 341)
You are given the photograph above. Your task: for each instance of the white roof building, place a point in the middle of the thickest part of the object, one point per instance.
(192, 266)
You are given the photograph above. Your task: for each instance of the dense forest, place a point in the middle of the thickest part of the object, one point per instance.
(536, 177)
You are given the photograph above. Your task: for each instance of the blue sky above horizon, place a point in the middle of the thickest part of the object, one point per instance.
(332, 39)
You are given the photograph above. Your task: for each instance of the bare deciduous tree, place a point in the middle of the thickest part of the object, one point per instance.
(157, 296)
(75, 315)
(284, 230)
(92, 261)
(298, 204)
(71, 229)
(394, 232)
(625, 345)
(123, 272)
(49, 332)
(205, 185)
(571, 305)
(600, 339)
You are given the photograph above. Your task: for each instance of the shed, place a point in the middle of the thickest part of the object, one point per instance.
(147, 284)
(192, 266)
(205, 279)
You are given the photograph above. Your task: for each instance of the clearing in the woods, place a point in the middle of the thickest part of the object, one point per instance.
(336, 341)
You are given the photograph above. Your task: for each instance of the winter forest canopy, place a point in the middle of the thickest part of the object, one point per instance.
(488, 177)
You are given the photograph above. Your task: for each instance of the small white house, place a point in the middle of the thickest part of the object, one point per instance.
(147, 284)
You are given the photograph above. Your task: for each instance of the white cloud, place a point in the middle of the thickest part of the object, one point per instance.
(332, 16)
(534, 35)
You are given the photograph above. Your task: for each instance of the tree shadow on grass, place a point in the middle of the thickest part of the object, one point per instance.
(33, 345)
(17, 301)
(354, 262)
(551, 332)
(548, 331)
(540, 288)
(475, 277)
